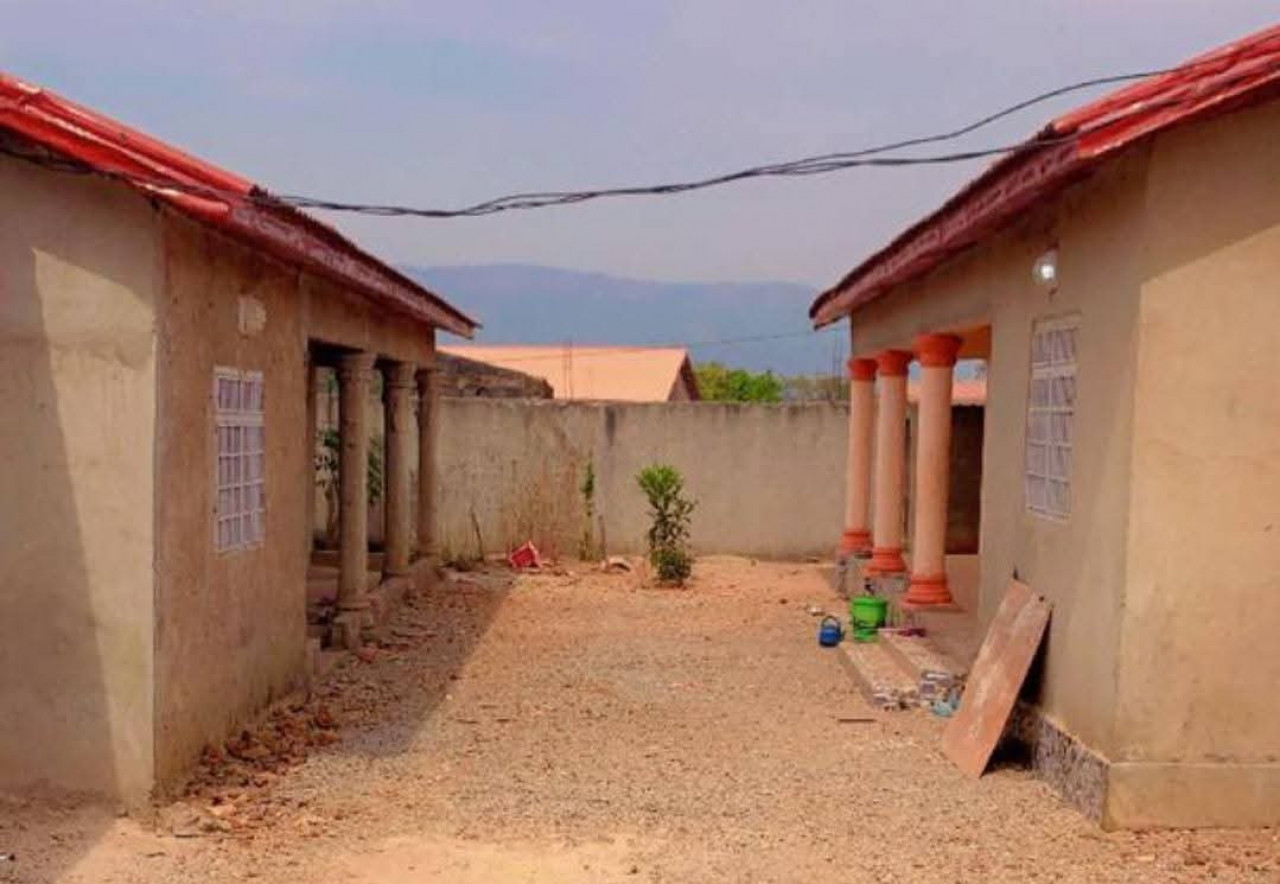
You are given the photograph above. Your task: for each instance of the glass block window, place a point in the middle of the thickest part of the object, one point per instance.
(1051, 417)
(239, 492)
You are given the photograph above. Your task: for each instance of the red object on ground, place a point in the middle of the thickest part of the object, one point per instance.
(525, 557)
(215, 197)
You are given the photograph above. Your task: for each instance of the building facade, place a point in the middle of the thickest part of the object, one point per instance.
(1118, 275)
(160, 332)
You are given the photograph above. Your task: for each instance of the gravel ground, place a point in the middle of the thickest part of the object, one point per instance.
(578, 726)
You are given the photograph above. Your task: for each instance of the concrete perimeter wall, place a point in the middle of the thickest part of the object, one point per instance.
(768, 479)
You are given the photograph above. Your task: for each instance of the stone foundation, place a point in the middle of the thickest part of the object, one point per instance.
(1077, 773)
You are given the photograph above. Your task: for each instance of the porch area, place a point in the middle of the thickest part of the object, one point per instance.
(367, 467)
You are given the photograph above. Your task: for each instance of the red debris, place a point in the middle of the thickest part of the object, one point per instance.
(525, 557)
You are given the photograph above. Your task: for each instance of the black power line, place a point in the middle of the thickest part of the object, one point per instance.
(814, 165)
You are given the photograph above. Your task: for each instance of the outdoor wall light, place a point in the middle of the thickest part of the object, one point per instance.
(1045, 270)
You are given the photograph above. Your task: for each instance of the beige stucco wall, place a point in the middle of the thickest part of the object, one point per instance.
(332, 316)
(230, 626)
(78, 281)
(1198, 661)
(1078, 564)
(762, 474)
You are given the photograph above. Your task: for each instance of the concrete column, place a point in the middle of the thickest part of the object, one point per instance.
(937, 355)
(427, 462)
(856, 539)
(891, 464)
(311, 447)
(354, 376)
(398, 388)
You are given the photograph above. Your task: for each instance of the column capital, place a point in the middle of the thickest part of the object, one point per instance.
(893, 363)
(937, 350)
(424, 375)
(861, 369)
(400, 375)
(355, 365)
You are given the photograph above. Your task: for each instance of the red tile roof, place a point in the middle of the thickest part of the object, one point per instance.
(1246, 71)
(216, 197)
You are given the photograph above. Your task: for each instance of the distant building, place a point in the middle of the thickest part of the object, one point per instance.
(618, 374)
(460, 377)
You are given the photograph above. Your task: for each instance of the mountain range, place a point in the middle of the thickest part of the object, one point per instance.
(753, 325)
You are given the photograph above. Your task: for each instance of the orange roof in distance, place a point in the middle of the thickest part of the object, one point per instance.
(620, 374)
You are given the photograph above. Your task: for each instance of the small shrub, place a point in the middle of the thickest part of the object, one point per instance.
(672, 565)
(671, 513)
(587, 545)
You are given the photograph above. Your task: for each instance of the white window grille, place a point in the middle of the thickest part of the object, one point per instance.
(239, 487)
(1051, 417)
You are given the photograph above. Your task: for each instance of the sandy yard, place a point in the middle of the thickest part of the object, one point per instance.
(579, 727)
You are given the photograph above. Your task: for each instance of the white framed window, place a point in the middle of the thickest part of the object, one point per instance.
(1051, 407)
(240, 475)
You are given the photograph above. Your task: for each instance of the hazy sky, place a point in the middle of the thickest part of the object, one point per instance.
(444, 103)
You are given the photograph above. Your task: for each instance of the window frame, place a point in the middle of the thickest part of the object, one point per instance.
(1051, 416)
(239, 460)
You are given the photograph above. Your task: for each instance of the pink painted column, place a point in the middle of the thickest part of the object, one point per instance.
(891, 464)
(856, 538)
(937, 355)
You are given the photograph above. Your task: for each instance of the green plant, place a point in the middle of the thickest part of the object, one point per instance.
(670, 513)
(719, 383)
(327, 461)
(587, 546)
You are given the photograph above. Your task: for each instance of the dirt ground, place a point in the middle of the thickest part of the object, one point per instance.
(580, 727)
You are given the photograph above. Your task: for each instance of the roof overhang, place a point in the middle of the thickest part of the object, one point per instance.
(1070, 147)
(218, 198)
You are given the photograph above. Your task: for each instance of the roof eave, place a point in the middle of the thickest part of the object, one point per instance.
(1239, 73)
(232, 203)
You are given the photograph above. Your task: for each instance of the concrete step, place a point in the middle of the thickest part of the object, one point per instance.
(882, 681)
(932, 670)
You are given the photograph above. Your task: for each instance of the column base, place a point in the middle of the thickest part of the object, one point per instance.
(348, 630)
(885, 560)
(928, 590)
(854, 541)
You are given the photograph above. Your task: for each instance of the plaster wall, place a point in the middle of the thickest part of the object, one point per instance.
(79, 272)
(768, 478)
(230, 626)
(1198, 666)
(333, 316)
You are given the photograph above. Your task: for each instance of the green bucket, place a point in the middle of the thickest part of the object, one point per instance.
(867, 614)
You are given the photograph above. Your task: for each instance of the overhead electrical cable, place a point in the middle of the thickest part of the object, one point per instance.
(819, 164)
